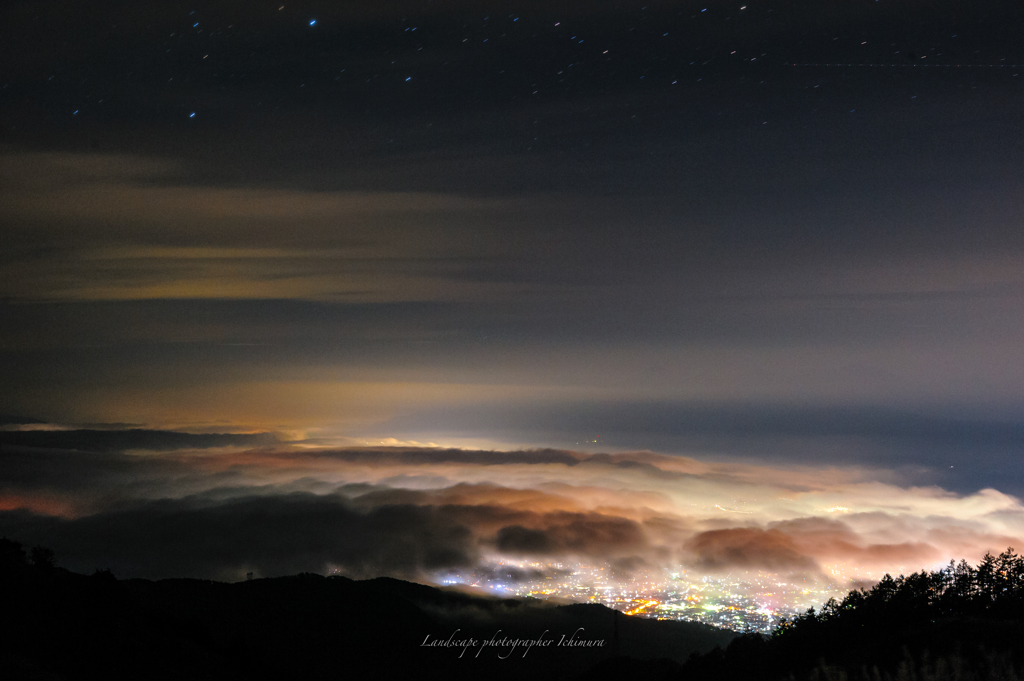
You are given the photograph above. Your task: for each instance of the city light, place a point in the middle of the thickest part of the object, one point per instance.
(742, 601)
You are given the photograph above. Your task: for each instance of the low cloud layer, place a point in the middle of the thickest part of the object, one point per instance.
(414, 512)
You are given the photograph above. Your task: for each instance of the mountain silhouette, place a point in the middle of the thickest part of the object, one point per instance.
(960, 623)
(63, 625)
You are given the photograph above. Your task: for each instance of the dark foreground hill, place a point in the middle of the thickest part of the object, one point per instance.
(957, 624)
(60, 625)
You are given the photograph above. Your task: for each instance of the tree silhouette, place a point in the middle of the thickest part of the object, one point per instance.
(42, 557)
(12, 555)
(959, 615)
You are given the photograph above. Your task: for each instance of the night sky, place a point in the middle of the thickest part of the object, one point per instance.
(519, 278)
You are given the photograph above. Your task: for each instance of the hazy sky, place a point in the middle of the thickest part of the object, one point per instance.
(779, 235)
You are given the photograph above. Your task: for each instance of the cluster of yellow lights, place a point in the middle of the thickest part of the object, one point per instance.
(643, 606)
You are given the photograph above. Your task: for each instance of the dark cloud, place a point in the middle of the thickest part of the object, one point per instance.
(283, 534)
(746, 549)
(68, 470)
(835, 541)
(461, 494)
(93, 478)
(272, 535)
(516, 539)
(74, 483)
(135, 438)
(578, 534)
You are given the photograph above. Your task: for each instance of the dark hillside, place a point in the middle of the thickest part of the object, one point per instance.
(62, 625)
(961, 623)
